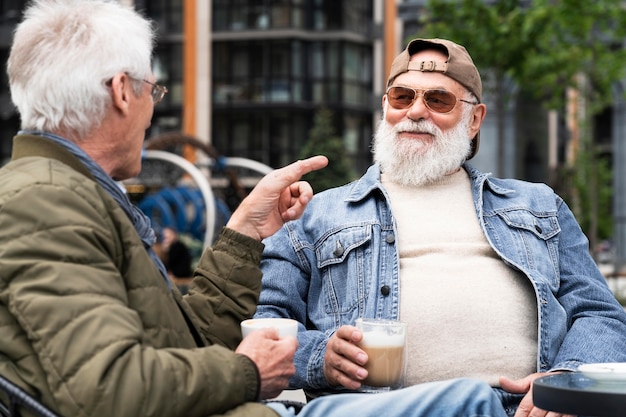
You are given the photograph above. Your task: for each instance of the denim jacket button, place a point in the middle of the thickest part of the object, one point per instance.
(538, 228)
(338, 250)
(390, 238)
(385, 290)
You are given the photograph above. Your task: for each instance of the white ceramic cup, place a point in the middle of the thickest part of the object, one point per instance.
(285, 327)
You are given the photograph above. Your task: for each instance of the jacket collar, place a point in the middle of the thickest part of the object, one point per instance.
(36, 145)
(365, 185)
(481, 180)
(370, 182)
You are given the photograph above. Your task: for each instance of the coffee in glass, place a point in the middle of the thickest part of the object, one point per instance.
(384, 342)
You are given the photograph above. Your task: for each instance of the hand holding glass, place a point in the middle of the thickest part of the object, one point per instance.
(384, 342)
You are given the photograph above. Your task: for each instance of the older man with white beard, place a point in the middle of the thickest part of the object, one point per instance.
(493, 276)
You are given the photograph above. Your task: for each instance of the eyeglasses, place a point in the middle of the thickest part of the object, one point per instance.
(157, 92)
(439, 101)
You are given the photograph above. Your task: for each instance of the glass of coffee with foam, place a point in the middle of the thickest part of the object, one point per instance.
(384, 342)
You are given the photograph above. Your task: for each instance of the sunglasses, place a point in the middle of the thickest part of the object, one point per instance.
(439, 101)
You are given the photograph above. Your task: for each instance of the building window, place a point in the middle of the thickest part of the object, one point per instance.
(273, 137)
(321, 15)
(257, 14)
(166, 14)
(353, 15)
(357, 65)
(327, 15)
(358, 16)
(266, 91)
(167, 63)
(275, 71)
(11, 11)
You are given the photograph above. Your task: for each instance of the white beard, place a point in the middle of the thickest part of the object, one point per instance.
(414, 163)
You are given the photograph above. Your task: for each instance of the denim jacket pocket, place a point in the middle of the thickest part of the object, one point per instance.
(534, 242)
(341, 258)
(542, 226)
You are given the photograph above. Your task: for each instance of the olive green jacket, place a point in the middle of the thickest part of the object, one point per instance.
(87, 322)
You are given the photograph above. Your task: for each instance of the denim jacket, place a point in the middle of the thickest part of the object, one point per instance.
(340, 261)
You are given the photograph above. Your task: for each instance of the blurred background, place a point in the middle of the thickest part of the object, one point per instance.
(271, 81)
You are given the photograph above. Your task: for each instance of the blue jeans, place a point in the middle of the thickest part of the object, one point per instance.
(461, 397)
(509, 401)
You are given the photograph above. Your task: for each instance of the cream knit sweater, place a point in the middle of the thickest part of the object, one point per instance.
(468, 313)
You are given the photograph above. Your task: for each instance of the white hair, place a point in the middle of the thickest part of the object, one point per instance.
(63, 54)
(413, 163)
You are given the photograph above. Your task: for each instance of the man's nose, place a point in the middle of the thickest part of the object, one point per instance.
(418, 109)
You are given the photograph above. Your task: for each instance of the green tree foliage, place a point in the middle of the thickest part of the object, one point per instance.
(588, 185)
(540, 44)
(544, 47)
(323, 140)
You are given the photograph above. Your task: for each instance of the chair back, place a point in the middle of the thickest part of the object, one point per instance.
(19, 400)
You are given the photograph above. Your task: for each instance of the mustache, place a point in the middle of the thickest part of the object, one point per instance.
(421, 126)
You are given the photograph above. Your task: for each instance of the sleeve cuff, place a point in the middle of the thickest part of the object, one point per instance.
(252, 374)
(239, 245)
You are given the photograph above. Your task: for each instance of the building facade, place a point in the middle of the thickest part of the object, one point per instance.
(275, 63)
(272, 65)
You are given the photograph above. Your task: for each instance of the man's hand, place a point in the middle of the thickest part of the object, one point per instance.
(276, 199)
(344, 360)
(273, 358)
(524, 386)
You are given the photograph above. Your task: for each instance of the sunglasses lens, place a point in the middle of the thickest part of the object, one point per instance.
(441, 101)
(400, 97)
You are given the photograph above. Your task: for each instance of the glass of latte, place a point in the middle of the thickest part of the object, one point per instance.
(384, 342)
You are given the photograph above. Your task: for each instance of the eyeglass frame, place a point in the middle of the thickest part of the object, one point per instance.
(422, 92)
(157, 92)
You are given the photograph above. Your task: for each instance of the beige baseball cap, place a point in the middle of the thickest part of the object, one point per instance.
(459, 66)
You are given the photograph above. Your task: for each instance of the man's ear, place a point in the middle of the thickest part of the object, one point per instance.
(478, 115)
(121, 89)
